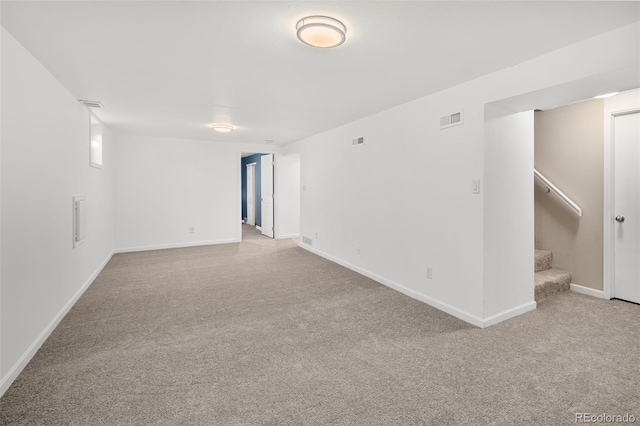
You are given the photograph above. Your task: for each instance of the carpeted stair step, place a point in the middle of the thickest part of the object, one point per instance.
(544, 258)
(551, 281)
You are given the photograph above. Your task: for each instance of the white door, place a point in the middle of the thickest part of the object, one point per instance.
(626, 139)
(251, 194)
(266, 182)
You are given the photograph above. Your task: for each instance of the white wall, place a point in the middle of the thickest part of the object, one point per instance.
(404, 198)
(287, 220)
(45, 160)
(508, 213)
(166, 186)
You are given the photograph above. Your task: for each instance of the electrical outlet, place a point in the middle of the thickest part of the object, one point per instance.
(429, 272)
(316, 235)
(192, 230)
(357, 250)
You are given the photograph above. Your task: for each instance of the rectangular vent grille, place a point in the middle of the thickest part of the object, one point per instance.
(307, 240)
(451, 120)
(91, 104)
(357, 141)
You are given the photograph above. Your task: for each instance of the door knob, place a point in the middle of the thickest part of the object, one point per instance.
(619, 218)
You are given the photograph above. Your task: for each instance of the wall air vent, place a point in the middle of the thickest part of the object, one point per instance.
(358, 141)
(451, 120)
(91, 104)
(307, 240)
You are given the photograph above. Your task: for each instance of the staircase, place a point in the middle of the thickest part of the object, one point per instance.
(549, 281)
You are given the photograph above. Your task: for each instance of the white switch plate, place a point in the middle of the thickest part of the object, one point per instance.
(475, 186)
(429, 272)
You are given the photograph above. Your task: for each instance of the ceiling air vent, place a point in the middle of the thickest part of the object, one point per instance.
(91, 104)
(358, 141)
(307, 240)
(451, 120)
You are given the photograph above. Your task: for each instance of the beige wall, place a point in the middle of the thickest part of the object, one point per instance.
(569, 152)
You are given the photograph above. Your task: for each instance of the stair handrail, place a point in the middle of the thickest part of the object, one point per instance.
(552, 188)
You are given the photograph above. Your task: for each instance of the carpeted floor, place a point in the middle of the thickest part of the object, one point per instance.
(263, 332)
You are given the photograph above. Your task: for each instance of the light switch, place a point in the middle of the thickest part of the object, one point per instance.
(475, 186)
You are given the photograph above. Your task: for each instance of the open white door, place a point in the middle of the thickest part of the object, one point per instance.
(626, 140)
(251, 194)
(266, 182)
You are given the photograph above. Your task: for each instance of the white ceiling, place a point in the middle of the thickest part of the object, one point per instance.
(172, 68)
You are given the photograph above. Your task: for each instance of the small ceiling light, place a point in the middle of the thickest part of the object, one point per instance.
(606, 95)
(222, 128)
(321, 31)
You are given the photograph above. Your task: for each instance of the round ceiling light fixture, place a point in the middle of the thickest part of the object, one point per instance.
(321, 31)
(222, 128)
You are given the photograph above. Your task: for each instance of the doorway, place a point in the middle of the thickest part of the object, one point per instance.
(256, 183)
(568, 199)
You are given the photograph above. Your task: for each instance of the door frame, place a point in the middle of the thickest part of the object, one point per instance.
(273, 194)
(255, 207)
(611, 111)
(238, 185)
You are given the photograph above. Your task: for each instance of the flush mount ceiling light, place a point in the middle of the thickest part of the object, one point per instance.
(321, 31)
(222, 128)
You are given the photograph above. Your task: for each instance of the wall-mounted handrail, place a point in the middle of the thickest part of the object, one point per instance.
(551, 187)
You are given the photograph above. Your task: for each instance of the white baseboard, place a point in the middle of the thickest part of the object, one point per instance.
(176, 245)
(258, 228)
(22, 362)
(445, 307)
(509, 313)
(588, 291)
(284, 237)
(465, 316)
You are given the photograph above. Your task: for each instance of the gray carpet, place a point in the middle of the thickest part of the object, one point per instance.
(263, 332)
